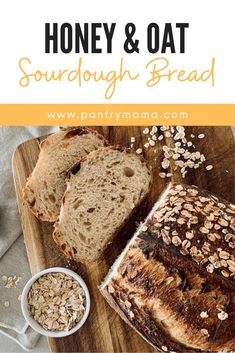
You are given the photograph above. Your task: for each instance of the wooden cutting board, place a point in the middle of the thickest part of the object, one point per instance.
(104, 331)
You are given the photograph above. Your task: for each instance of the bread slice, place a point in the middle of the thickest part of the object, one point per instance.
(102, 192)
(174, 281)
(58, 152)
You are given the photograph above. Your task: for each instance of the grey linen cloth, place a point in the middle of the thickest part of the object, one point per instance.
(13, 258)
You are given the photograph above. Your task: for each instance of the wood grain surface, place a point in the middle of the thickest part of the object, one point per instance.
(104, 331)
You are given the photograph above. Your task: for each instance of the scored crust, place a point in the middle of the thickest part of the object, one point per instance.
(166, 293)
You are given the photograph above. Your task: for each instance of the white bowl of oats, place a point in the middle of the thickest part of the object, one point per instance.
(55, 302)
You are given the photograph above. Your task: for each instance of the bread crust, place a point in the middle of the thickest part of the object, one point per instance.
(162, 293)
(73, 171)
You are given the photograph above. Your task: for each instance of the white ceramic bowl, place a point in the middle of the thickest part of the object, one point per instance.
(33, 323)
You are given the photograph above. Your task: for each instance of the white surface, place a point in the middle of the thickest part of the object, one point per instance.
(9, 346)
(12, 247)
(210, 34)
(34, 324)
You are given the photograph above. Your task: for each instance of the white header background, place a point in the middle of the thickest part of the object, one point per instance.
(210, 34)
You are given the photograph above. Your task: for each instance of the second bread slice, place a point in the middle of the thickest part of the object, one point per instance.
(102, 192)
(45, 187)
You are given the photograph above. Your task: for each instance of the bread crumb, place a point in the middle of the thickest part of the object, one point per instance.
(111, 289)
(154, 130)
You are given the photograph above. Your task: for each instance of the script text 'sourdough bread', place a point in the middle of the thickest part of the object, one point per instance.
(174, 282)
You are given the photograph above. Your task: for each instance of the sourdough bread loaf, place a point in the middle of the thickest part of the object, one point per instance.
(102, 191)
(58, 152)
(174, 282)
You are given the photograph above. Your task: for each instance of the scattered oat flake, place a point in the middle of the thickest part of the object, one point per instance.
(19, 297)
(222, 315)
(209, 167)
(6, 304)
(168, 134)
(11, 281)
(154, 138)
(201, 136)
(146, 131)
(160, 137)
(204, 314)
(162, 175)
(133, 139)
(139, 151)
(146, 145)
(164, 348)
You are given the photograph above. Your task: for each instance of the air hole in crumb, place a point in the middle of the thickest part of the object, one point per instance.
(122, 198)
(110, 212)
(63, 247)
(90, 210)
(52, 198)
(87, 223)
(128, 172)
(115, 163)
(82, 237)
(77, 204)
(74, 250)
